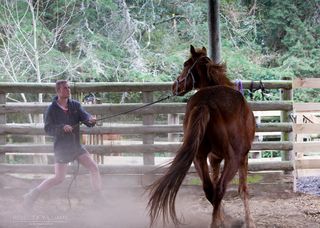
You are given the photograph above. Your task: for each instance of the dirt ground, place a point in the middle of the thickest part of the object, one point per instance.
(124, 207)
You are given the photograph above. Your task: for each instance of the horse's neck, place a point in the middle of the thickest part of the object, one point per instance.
(226, 82)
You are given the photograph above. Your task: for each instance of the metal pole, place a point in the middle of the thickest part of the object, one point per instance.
(214, 30)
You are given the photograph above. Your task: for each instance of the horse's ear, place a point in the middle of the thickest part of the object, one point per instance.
(204, 50)
(192, 50)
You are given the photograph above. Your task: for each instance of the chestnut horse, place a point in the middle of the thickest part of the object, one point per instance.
(218, 126)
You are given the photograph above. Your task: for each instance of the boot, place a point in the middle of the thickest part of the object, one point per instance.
(30, 197)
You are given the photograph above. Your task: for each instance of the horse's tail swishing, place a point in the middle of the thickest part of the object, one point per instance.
(164, 191)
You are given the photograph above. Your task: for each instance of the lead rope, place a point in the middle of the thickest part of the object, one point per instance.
(128, 111)
(74, 175)
(74, 178)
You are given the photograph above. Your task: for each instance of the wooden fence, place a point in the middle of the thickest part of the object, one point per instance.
(148, 128)
(307, 152)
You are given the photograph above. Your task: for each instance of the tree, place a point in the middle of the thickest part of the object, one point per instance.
(27, 45)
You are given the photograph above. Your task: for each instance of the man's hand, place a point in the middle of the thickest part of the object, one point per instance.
(93, 120)
(67, 128)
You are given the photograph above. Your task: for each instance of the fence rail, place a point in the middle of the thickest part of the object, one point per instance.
(86, 87)
(36, 108)
(135, 169)
(133, 148)
(38, 129)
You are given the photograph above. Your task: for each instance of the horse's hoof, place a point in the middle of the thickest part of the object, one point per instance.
(217, 225)
(238, 224)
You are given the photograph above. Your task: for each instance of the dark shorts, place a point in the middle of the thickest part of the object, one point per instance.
(68, 156)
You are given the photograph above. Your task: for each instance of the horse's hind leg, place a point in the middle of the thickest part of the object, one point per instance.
(243, 191)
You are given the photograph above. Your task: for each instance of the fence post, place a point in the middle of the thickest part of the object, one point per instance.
(148, 119)
(173, 119)
(286, 95)
(38, 119)
(3, 120)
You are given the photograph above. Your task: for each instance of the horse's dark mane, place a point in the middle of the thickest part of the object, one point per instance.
(216, 73)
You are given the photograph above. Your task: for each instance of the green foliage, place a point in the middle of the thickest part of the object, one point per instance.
(251, 179)
(291, 28)
(307, 95)
(195, 181)
(139, 40)
(271, 154)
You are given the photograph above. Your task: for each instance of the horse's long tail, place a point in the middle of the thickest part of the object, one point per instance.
(164, 191)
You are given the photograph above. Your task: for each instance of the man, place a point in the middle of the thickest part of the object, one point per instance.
(62, 122)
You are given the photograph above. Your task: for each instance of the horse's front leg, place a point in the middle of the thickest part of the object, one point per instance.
(201, 165)
(230, 168)
(209, 185)
(215, 172)
(215, 168)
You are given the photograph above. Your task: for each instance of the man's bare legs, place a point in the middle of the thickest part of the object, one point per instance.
(60, 173)
(60, 170)
(88, 163)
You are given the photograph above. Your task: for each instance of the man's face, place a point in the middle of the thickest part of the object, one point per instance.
(64, 91)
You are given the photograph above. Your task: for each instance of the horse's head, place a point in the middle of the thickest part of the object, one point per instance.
(199, 72)
(189, 77)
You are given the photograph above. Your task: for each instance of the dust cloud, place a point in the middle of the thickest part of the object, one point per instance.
(124, 205)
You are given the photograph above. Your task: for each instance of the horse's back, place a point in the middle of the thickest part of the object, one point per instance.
(224, 98)
(231, 117)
